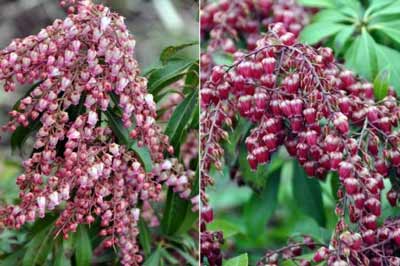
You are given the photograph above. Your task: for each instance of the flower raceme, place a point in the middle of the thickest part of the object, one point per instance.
(83, 67)
(297, 96)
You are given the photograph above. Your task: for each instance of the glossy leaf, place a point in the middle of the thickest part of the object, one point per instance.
(172, 50)
(381, 85)
(83, 247)
(391, 29)
(308, 195)
(362, 56)
(388, 59)
(21, 134)
(167, 74)
(60, 258)
(174, 213)
(392, 9)
(123, 138)
(228, 228)
(144, 237)
(315, 32)
(317, 3)
(38, 249)
(241, 260)
(154, 259)
(341, 38)
(259, 209)
(178, 122)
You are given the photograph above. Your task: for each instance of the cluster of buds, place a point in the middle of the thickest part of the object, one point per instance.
(224, 23)
(211, 247)
(83, 67)
(327, 118)
(175, 176)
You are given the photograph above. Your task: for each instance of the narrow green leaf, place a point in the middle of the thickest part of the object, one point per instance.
(334, 181)
(123, 138)
(38, 249)
(60, 258)
(392, 9)
(259, 209)
(190, 216)
(171, 51)
(167, 74)
(144, 237)
(118, 128)
(144, 156)
(192, 78)
(169, 257)
(83, 247)
(391, 29)
(376, 6)
(330, 16)
(188, 258)
(174, 213)
(241, 260)
(178, 122)
(14, 258)
(155, 258)
(341, 39)
(228, 229)
(315, 32)
(21, 134)
(317, 3)
(381, 85)
(308, 195)
(223, 59)
(362, 56)
(389, 59)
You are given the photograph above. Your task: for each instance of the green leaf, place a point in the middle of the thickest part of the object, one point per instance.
(174, 213)
(362, 56)
(144, 237)
(228, 229)
(315, 32)
(241, 260)
(167, 74)
(192, 78)
(118, 128)
(335, 184)
(122, 134)
(389, 59)
(190, 215)
(330, 16)
(188, 258)
(317, 3)
(179, 121)
(308, 195)
(171, 51)
(381, 85)
(223, 59)
(60, 258)
(21, 134)
(14, 258)
(38, 249)
(259, 209)
(391, 29)
(155, 258)
(83, 247)
(392, 9)
(376, 6)
(143, 155)
(341, 38)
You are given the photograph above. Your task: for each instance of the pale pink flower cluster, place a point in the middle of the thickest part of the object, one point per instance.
(85, 63)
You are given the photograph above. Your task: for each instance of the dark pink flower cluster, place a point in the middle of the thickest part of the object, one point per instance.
(84, 66)
(224, 24)
(300, 97)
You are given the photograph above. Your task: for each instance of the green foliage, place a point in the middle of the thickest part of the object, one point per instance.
(241, 260)
(363, 35)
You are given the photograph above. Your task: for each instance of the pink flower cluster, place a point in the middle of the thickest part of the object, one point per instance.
(85, 65)
(299, 97)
